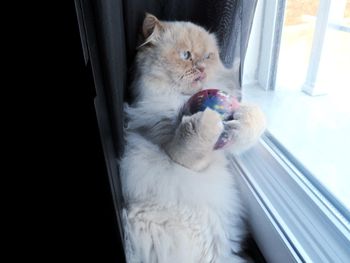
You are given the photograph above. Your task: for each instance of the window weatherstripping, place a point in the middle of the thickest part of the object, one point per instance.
(290, 219)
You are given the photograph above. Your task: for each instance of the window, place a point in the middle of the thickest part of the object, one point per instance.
(297, 69)
(308, 107)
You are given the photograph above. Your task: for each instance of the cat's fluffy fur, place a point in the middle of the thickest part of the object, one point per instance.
(182, 204)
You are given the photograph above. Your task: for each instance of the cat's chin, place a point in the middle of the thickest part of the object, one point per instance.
(193, 88)
(198, 83)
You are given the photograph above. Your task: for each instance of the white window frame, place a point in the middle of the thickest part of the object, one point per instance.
(329, 13)
(271, 24)
(292, 218)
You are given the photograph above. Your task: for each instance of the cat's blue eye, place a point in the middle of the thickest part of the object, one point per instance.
(185, 55)
(208, 55)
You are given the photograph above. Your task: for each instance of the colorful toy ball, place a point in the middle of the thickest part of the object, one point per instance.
(217, 100)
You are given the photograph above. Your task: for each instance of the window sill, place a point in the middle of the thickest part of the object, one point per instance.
(290, 219)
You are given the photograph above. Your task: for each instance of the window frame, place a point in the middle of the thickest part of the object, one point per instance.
(291, 220)
(272, 20)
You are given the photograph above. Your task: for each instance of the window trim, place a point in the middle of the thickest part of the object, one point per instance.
(313, 183)
(272, 19)
(290, 219)
(311, 86)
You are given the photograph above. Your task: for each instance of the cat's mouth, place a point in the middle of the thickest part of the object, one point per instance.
(200, 77)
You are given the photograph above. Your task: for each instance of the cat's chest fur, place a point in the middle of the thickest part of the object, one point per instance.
(151, 175)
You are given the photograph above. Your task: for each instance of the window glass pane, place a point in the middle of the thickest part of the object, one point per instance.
(315, 129)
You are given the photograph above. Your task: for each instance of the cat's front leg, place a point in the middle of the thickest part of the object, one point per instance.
(194, 139)
(247, 126)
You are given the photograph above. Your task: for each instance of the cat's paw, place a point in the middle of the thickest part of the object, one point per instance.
(210, 126)
(246, 127)
(206, 126)
(194, 140)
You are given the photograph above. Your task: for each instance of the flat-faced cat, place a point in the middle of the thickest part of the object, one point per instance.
(182, 203)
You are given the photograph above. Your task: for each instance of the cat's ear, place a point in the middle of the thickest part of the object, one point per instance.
(151, 25)
(151, 29)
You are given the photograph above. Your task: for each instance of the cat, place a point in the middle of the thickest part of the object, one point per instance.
(181, 200)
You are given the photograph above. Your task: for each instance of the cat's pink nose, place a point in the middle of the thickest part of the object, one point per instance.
(201, 67)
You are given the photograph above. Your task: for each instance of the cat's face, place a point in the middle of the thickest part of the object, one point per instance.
(183, 54)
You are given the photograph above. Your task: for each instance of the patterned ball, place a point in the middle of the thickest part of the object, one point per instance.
(217, 100)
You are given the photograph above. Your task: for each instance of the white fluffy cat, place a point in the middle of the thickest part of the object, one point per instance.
(182, 204)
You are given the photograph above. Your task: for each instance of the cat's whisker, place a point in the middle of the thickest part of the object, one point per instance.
(181, 77)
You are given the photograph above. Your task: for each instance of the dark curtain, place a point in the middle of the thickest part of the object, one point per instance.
(230, 19)
(109, 32)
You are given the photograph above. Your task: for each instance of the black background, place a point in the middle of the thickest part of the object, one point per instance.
(60, 205)
(92, 227)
